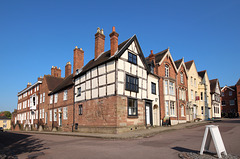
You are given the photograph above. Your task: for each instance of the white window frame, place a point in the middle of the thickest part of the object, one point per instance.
(40, 98)
(65, 111)
(181, 77)
(50, 115)
(182, 110)
(65, 95)
(172, 108)
(43, 98)
(166, 70)
(167, 108)
(166, 87)
(51, 99)
(56, 98)
(55, 115)
(171, 88)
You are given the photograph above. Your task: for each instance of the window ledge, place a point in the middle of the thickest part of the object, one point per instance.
(133, 116)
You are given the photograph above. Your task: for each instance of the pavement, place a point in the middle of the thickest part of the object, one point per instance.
(127, 135)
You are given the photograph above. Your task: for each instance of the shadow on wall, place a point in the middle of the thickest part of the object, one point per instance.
(12, 144)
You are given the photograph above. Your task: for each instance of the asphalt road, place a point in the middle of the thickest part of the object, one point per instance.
(166, 145)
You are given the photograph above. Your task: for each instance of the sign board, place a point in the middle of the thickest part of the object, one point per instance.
(166, 121)
(212, 133)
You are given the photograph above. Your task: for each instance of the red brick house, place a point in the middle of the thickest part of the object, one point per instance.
(229, 101)
(238, 96)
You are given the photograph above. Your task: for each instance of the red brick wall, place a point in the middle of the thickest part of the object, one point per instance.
(238, 98)
(228, 108)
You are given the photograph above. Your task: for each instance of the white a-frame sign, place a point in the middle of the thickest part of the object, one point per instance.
(217, 139)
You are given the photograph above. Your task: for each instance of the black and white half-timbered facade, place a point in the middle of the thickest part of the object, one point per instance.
(116, 92)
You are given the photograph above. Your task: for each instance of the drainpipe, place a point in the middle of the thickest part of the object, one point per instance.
(73, 105)
(177, 100)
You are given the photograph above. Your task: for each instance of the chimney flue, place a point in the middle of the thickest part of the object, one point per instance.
(99, 42)
(114, 41)
(56, 72)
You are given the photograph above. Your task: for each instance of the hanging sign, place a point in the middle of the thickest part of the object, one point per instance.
(212, 133)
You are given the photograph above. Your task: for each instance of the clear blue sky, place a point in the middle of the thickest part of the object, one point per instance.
(34, 35)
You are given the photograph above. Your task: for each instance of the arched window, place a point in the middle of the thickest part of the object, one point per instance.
(166, 71)
(181, 77)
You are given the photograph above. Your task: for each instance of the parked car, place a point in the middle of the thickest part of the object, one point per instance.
(1, 129)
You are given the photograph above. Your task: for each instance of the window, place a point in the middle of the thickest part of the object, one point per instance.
(56, 98)
(40, 98)
(202, 109)
(181, 77)
(79, 91)
(201, 95)
(195, 83)
(80, 110)
(223, 94)
(166, 71)
(50, 115)
(55, 115)
(180, 94)
(223, 103)
(196, 96)
(192, 94)
(65, 95)
(37, 88)
(43, 100)
(132, 107)
(42, 113)
(166, 87)
(132, 58)
(191, 80)
(65, 113)
(171, 88)
(230, 93)
(131, 83)
(182, 110)
(232, 102)
(167, 107)
(151, 69)
(51, 99)
(172, 108)
(153, 88)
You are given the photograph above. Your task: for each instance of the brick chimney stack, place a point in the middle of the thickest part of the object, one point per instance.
(78, 59)
(113, 41)
(56, 72)
(152, 56)
(68, 69)
(99, 42)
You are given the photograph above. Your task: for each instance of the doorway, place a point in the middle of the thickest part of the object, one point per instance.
(148, 112)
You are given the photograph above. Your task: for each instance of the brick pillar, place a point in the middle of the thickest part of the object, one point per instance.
(99, 42)
(78, 59)
(113, 41)
(68, 68)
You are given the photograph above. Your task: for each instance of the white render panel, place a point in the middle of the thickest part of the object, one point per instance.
(94, 83)
(139, 93)
(102, 80)
(95, 93)
(133, 94)
(120, 88)
(110, 89)
(102, 91)
(94, 72)
(88, 84)
(139, 61)
(144, 94)
(144, 84)
(134, 68)
(101, 69)
(144, 74)
(88, 75)
(125, 55)
(121, 76)
(110, 77)
(88, 94)
(140, 82)
(110, 66)
(127, 67)
(120, 64)
(127, 93)
(82, 87)
(82, 78)
(77, 81)
(140, 72)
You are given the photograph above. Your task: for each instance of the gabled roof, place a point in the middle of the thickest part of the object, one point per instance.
(158, 56)
(178, 63)
(202, 73)
(189, 64)
(67, 82)
(213, 85)
(52, 82)
(238, 82)
(233, 88)
(106, 56)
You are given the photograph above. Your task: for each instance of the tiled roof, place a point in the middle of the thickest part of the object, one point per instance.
(4, 117)
(104, 57)
(188, 64)
(68, 81)
(202, 73)
(238, 82)
(53, 82)
(178, 63)
(213, 83)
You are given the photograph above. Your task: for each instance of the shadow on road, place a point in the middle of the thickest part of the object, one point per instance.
(13, 144)
(182, 149)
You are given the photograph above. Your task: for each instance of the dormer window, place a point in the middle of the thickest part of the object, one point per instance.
(166, 71)
(132, 58)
